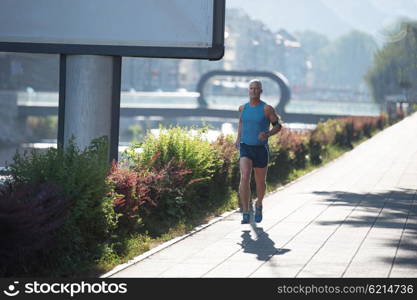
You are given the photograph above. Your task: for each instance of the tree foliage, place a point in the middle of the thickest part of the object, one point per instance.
(340, 63)
(345, 61)
(395, 66)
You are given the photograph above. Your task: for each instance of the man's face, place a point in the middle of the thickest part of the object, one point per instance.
(254, 90)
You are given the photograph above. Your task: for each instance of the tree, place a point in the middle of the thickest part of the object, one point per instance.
(395, 66)
(345, 61)
(312, 42)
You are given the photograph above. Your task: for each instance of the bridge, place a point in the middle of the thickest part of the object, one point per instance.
(184, 104)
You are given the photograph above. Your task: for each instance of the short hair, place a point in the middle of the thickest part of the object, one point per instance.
(257, 81)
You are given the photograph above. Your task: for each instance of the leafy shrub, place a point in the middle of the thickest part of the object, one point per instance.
(382, 121)
(149, 196)
(127, 198)
(295, 143)
(30, 217)
(167, 188)
(81, 176)
(180, 150)
(176, 143)
(227, 154)
(342, 132)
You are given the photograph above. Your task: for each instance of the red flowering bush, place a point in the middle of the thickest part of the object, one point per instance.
(296, 144)
(143, 196)
(228, 173)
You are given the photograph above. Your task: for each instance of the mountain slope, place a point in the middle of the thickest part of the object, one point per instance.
(329, 17)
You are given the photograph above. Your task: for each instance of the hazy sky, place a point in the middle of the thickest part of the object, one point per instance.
(330, 17)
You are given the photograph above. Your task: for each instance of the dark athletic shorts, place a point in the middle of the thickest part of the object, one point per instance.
(258, 154)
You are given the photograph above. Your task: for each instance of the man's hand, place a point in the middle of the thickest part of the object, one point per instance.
(263, 136)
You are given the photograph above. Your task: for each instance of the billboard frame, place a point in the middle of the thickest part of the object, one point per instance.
(215, 52)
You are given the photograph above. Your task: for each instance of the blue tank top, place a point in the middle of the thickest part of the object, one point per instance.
(253, 123)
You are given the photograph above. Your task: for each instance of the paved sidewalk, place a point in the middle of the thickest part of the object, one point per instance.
(355, 217)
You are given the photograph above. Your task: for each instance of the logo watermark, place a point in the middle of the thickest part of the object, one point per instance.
(71, 289)
(11, 290)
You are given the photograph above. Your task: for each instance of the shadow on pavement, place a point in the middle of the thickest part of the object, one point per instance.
(399, 212)
(397, 205)
(260, 244)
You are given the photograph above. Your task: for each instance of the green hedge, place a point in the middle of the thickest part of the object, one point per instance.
(80, 175)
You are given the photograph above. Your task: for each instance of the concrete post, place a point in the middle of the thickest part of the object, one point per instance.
(90, 100)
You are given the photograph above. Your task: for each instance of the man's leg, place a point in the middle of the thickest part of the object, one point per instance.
(260, 179)
(244, 186)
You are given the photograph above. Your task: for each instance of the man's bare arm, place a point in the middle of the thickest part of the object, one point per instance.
(275, 121)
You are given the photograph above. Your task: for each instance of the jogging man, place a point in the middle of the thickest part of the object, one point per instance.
(252, 139)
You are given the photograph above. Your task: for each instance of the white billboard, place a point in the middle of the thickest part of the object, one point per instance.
(147, 28)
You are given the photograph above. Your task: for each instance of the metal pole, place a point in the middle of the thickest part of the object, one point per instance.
(89, 100)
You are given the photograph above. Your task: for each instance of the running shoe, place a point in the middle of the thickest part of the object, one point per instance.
(258, 214)
(245, 218)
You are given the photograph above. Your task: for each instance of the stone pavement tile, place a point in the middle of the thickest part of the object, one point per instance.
(251, 253)
(388, 228)
(371, 263)
(405, 261)
(412, 219)
(339, 175)
(334, 214)
(367, 270)
(406, 256)
(408, 180)
(269, 270)
(380, 255)
(213, 260)
(217, 252)
(168, 258)
(285, 231)
(236, 268)
(390, 222)
(346, 236)
(409, 240)
(376, 244)
(186, 270)
(313, 235)
(328, 255)
(307, 213)
(285, 199)
(404, 196)
(213, 233)
(217, 230)
(323, 269)
(273, 217)
(291, 256)
(298, 205)
(381, 241)
(146, 268)
(236, 235)
(398, 272)
(301, 251)
(179, 251)
(253, 229)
